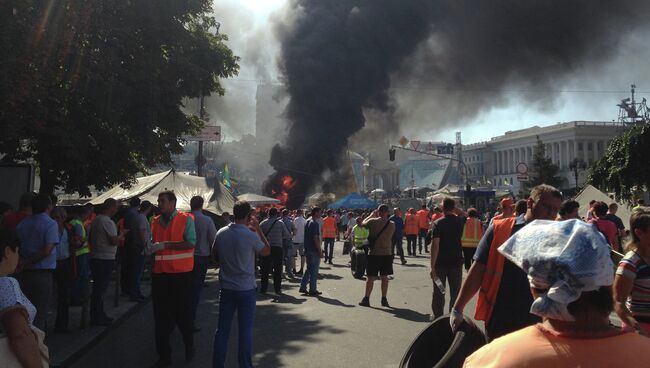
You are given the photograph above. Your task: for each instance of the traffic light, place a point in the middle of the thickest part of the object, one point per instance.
(391, 154)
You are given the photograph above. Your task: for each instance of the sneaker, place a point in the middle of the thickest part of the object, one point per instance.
(384, 302)
(303, 291)
(315, 293)
(298, 273)
(403, 261)
(365, 302)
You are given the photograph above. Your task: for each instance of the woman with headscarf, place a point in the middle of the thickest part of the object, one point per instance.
(632, 282)
(570, 272)
(21, 344)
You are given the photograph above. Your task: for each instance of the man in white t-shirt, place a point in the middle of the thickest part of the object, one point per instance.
(299, 240)
(104, 240)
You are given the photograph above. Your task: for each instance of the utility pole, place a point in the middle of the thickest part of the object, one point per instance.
(199, 163)
(412, 184)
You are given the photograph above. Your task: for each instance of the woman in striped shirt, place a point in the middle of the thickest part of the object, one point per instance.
(632, 282)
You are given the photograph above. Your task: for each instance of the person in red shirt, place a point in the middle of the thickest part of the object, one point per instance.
(423, 224)
(329, 234)
(12, 220)
(411, 230)
(606, 227)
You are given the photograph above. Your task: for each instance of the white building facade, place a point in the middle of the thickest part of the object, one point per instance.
(499, 162)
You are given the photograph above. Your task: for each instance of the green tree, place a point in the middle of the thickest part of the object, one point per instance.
(543, 170)
(92, 91)
(624, 168)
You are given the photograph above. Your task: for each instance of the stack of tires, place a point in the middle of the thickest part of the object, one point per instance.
(358, 263)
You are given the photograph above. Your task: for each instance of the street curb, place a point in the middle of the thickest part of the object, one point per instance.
(100, 336)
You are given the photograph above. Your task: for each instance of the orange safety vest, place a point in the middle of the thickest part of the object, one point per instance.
(411, 225)
(170, 260)
(423, 217)
(472, 233)
(487, 295)
(329, 228)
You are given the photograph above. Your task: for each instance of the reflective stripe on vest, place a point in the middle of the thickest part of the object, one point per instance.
(169, 257)
(360, 235)
(411, 225)
(329, 228)
(168, 260)
(494, 270)
(472, 233)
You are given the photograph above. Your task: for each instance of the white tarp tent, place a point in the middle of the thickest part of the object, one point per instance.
(592, 193)
(217, 198)
(257, 200)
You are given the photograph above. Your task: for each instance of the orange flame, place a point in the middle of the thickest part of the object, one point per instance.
(288, 182)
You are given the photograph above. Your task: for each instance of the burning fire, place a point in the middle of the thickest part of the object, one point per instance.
(287, 183)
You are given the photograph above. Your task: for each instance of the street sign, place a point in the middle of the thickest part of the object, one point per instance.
(446, 150)
(415, 145)
(403, 141)
(522, 168)
(523, 177)
(207, 134)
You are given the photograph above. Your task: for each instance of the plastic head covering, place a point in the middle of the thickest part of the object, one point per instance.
(564, 257)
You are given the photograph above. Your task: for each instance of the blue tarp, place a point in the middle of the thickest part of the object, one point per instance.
(354, 200)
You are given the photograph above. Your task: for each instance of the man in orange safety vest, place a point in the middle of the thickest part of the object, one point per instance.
(329, 234)
(174, 237)
(472, 233)
(504, 306)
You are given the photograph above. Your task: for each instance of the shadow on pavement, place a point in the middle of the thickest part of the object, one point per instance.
(334, 302)
(329, 276)
(288, 299)
(279, 333)
(413, 265)
(407, 314)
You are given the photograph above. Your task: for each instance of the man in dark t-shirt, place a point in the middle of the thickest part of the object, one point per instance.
(611, 216)
(446, 255)
(510, 307)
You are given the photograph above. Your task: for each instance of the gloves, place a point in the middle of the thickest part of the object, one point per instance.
(455, 319)
(155, 247)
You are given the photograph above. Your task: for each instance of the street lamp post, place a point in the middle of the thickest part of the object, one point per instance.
(468, 187)
(575, 165)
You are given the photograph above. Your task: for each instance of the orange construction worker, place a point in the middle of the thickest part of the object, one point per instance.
(423, 224)
(504, 306)
(329, 234)
(472, 233)
(507, 207)
(174, 236)
(411, 230)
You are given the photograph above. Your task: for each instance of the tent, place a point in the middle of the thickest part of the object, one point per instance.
(217, 198)
(257, 200)
(354, 200)
(592, 193)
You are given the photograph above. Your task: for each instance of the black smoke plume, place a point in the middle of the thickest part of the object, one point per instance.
(340, 56)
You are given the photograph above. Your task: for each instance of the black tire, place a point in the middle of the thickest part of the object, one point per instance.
(359, 263)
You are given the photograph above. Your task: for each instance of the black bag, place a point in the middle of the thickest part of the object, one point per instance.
(371, 242)
(347, 246)
(358, 263)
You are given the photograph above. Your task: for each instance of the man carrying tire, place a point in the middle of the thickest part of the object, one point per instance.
(380, 258)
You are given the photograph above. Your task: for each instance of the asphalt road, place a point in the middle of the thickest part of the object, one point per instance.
(296, 330)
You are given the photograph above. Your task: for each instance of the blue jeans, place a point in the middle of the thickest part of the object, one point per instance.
(201, 264)
(102, 270)
(137, 268)
(328, 244)
(311, 274)
(287, 248)
(244, 303)
(80, 285)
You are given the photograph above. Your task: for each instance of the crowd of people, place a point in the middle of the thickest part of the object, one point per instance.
(52, 250)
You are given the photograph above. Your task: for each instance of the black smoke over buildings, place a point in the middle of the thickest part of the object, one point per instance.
(340, 57)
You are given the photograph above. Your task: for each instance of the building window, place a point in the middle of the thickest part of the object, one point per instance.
(590, 146)
(580, 146)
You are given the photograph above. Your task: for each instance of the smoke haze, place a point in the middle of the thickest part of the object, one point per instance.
(341, 59)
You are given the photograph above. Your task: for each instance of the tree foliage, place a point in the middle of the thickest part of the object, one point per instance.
(624, 168)
(92, 90)
(543, 170)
